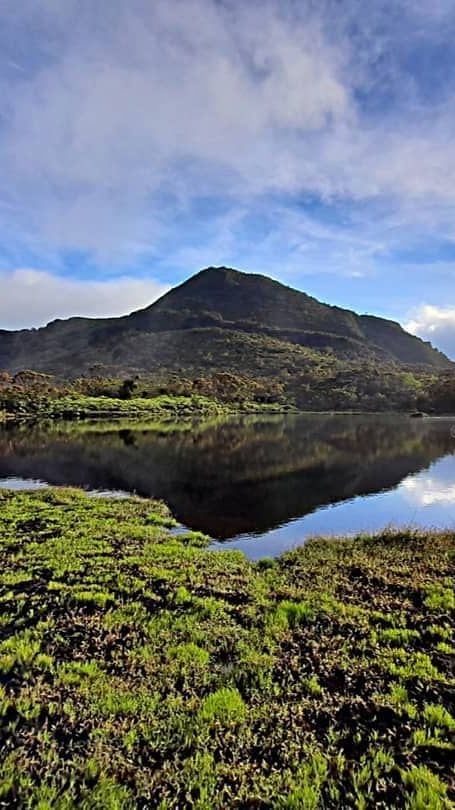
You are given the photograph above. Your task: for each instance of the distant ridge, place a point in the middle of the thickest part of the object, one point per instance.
(218, 320)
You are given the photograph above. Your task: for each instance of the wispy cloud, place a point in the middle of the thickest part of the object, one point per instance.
(126, 114)
(158, 100)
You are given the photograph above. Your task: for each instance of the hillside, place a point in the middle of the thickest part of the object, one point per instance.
(218, 320)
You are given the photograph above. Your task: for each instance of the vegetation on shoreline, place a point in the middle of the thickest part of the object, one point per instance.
(73, 406)
(325, 386)
(140, 669)
(31, 394)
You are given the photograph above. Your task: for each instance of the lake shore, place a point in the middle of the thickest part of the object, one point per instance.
(165, 408)
(140, 669)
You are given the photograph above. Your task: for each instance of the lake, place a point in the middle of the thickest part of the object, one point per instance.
(260, 484)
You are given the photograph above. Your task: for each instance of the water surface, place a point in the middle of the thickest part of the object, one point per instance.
(260, 484)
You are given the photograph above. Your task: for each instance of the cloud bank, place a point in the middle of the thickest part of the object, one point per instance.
(436, 324)
(33, 298)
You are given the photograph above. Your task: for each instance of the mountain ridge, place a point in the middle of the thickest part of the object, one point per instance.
(216, 306)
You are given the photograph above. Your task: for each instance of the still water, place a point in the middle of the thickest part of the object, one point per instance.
(259, 484)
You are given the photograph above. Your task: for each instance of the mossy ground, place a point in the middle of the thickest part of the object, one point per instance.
(140, 669)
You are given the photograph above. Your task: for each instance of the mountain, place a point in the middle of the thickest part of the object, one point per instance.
(218, 320)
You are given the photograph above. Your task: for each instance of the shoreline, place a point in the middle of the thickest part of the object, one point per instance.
(139, 668)
(182, 412)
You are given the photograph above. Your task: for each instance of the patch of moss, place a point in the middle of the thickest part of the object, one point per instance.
(139, 669)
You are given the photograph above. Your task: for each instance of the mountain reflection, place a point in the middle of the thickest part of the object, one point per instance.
(235, 477)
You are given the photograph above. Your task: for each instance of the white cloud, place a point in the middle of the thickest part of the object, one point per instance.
(119, 116)
(428, 491)
(158, 99)
(30, 297)
(436, 324)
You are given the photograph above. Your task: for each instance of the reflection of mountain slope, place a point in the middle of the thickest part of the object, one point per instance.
(236, 477)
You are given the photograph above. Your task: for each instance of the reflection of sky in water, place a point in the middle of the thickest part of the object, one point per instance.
(427, 491)
(21, 483)
(425, 500)
(18, 484)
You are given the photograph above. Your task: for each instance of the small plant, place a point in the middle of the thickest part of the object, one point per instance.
(76, 672)
(440, 598)
(225, 706)
(425, 790)
(447, 649)
(194, 539)
(107, 795)
(306, 785)
(399, 699)
(440, 631)
(414, 666)
(190, 655)
(294, 613)
(93, 597)
(437, 716)
(20, 650)
(111, 699)
(182, 597)
(397, 636)
(313, 686)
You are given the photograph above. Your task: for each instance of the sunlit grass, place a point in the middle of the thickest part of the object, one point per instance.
(140, 669)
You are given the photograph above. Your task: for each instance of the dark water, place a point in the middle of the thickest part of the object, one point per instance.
(260, 484)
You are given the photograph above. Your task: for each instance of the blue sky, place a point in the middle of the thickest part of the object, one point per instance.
(311, 141)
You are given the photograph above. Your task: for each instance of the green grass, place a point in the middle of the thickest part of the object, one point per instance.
(139, 669)
(158, 411)
(79, 406)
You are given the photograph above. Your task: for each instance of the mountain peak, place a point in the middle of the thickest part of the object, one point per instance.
(221, 274)
(220, 318)
(217, 271)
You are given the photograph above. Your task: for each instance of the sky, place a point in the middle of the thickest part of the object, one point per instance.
(309, 140)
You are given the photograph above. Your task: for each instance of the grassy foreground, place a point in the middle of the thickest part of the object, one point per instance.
(139, 669)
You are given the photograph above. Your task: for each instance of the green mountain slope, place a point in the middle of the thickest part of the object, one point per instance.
(218, 320)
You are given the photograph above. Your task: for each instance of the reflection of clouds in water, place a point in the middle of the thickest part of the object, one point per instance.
(428, 490)
(15, 483)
